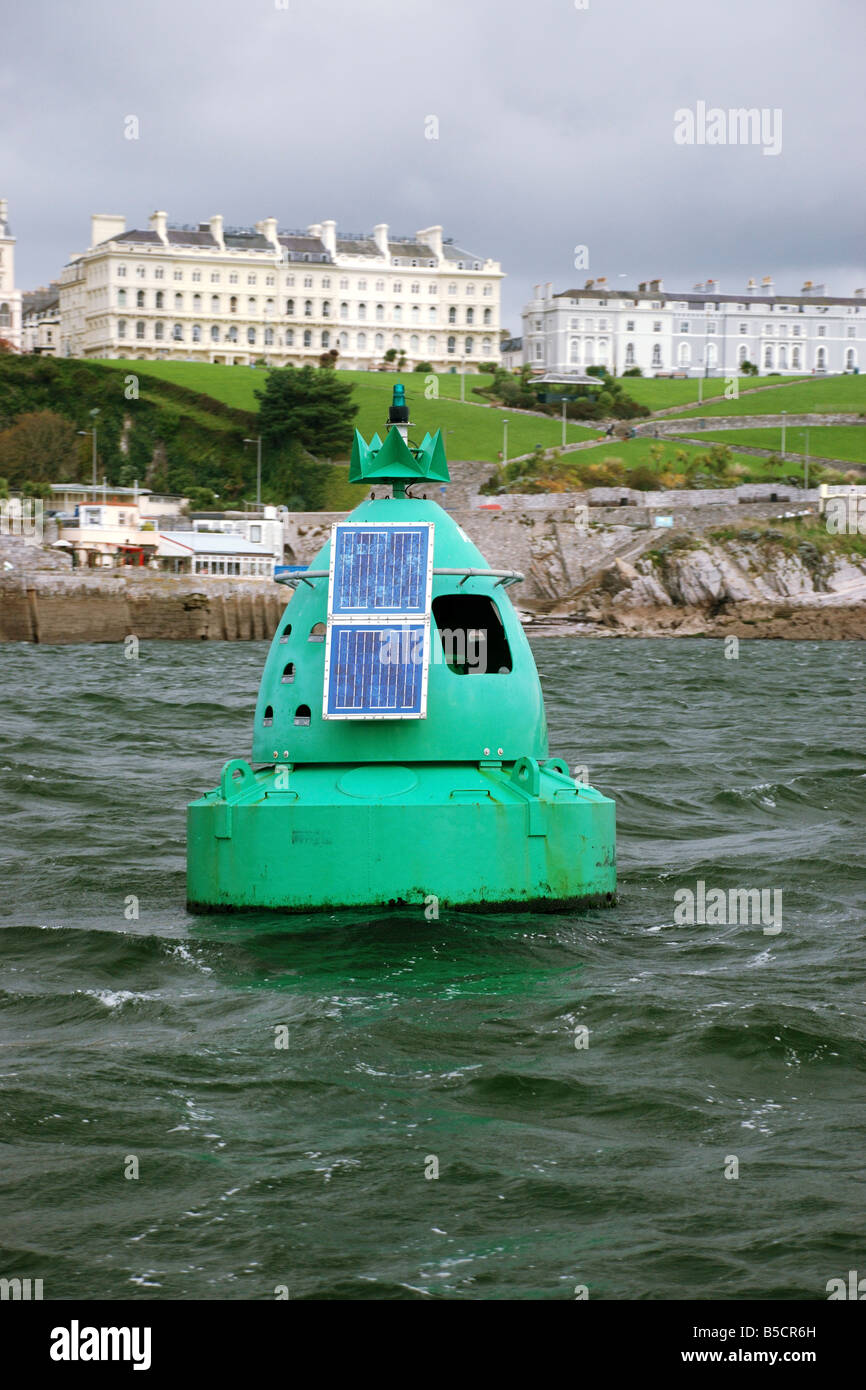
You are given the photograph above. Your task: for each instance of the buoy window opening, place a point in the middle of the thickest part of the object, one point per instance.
(286, 633)
(288, 673)
(472, 637)
(317, 633)
(269, 717)
(302, 714)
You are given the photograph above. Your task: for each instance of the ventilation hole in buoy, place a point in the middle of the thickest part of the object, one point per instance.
(269, 716)
(286, 633)
(302, 714)
(317, 632)
(288, 673)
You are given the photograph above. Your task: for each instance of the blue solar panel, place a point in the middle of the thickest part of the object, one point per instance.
(381, 568)
(376, 670)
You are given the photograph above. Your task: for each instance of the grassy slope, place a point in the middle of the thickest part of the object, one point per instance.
(846, 442)
(815, 395)
(471, 431)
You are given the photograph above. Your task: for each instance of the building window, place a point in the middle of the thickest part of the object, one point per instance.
(380, 313)
(452, 314)
(711, 325)
(743, 328)
(139, 330)
(196, 332)
(657, 325)
(469, 347)
(362, 311)
(177, 333)
(379, 342)
(308, 282)
(121, 271)
(684, 327)
(850, 360)
(415, 288)
(822, 331)
(232, 334)
(452, 345)
(431, 345)
(432, 288)
(362, 342)
(821, 359)
(326, 308)
(629, 355)
(431, 313)
(326, 340)
(488, 315)
(414, 343)
(233, 303)
(657, 356)
(214, 334)
(574, 351)
(121, 328)
(344, 310)
(159, 273)
(121, 299)
(139, 299)
(344, 284)
(308, 308)
(290, 337)
(795, 358)
(398, 313)
(196, 275)
(768, 356)
(685, 354)
(290, 308)
(343, 341)
(270, 280)
(269, 337)
(308, 338)
(214, 303)
(470, 315)
(251, 336)
(538, 353)
(488, 290)
(251, 306)
(139, 271)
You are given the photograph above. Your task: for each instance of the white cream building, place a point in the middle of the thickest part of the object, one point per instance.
(702, 332)
(10, 297)
(213, 294)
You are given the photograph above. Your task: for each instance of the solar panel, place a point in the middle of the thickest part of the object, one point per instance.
(381, 568)
(378, 642)
(376, 671)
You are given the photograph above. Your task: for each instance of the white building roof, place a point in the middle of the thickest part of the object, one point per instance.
(210, 543)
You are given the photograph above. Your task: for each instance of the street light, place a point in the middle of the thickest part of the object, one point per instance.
(784, 413)
(258, 443)
(504, 443)
(92, 431)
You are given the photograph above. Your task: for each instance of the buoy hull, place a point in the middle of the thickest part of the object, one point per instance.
(481, 838)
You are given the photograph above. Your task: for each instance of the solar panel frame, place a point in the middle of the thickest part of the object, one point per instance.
(339, 646)
(340, 604)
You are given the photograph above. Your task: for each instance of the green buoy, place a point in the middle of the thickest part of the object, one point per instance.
(400, 749)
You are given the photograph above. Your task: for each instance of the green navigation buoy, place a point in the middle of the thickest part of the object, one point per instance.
(400, 751)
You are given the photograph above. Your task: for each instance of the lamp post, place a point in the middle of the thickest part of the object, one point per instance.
(784, 413)
(806, 469)
(258, 443)
(92, 433)
(563, 422)
(504, 443)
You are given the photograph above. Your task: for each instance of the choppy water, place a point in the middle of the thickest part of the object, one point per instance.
(558, 1166)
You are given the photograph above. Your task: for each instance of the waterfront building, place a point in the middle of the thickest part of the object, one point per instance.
(212, 293)
(702, 332)
(10, 297)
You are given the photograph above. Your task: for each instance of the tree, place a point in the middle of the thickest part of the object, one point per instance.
(41, 446)
(748, 368)
(306, 408)
(390, 355)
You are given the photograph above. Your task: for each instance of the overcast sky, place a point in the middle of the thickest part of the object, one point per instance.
(555, 129)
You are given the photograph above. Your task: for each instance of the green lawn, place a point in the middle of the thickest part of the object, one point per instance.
(470, 431)
(847, 442)
(815, 395)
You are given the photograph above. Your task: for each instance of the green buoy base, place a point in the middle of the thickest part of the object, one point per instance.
(478, 837)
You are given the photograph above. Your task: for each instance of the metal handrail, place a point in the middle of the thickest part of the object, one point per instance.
(504, 577)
